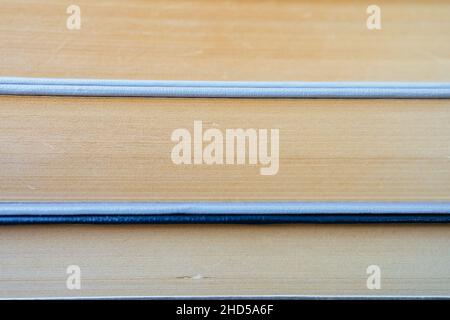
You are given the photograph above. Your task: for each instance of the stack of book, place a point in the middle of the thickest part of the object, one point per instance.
(75, 168)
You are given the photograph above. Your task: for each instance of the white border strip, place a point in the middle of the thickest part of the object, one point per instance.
(205, 208)
(243, 297)
(222, 89)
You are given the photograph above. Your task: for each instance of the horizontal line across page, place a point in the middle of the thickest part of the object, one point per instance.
(205, 208)
(222, 89)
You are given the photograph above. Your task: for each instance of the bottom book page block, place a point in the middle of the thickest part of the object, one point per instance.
(222, 260)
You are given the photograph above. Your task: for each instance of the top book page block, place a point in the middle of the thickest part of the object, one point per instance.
(227, 40)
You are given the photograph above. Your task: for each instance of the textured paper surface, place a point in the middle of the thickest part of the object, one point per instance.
(227, 40)
(119, 149)
(150, 260)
